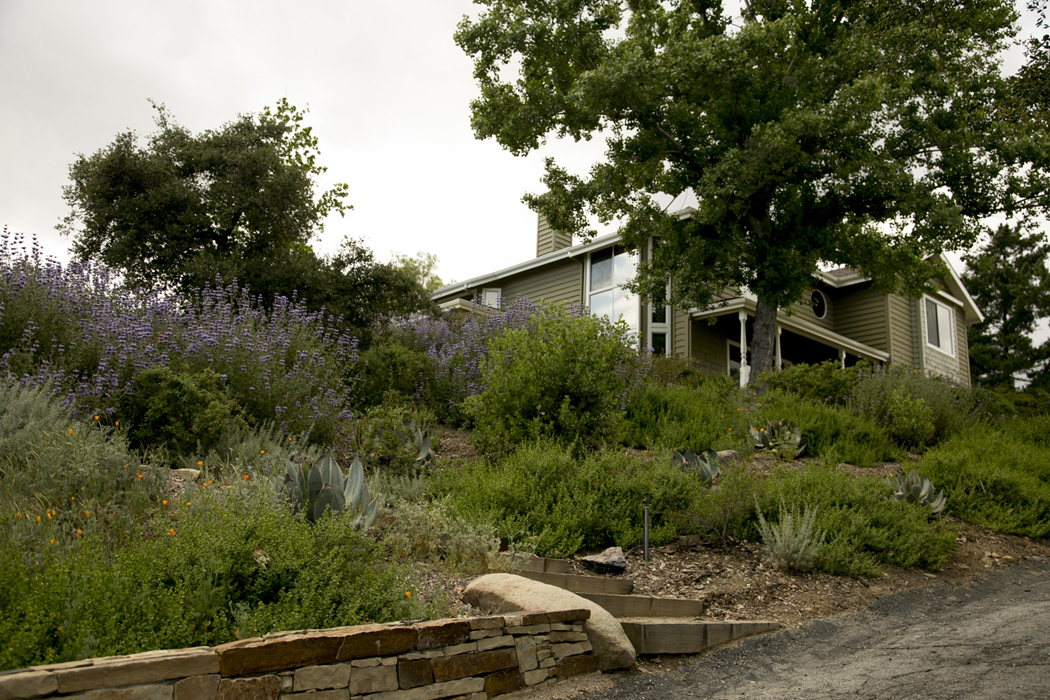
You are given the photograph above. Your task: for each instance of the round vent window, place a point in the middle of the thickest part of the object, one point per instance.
(820, 304)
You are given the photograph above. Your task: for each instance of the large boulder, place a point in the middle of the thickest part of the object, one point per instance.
(505, 593)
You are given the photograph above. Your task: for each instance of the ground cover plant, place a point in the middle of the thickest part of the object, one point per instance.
(997, 475)
(221, 566)
(98, 556)
(561, 502)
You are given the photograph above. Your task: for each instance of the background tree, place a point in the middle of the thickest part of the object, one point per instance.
(248, 188)
(864, 134)
(420, 267)
(1009, 280)
(351, 284)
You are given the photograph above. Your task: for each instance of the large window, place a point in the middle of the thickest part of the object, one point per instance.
(940, 326)
(609, 269)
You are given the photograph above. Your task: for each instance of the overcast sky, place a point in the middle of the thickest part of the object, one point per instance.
(387, 89)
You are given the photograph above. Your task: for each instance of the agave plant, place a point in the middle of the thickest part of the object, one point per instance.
(322, 487)
(918, 489)
(705, 464)
(420, 440)
(779, 438)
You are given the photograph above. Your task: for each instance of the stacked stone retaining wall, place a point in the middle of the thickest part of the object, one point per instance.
(469, 658)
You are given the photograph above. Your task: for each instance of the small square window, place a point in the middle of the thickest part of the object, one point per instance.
(491, 297)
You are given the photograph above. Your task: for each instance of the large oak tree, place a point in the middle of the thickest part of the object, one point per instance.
(869, 133)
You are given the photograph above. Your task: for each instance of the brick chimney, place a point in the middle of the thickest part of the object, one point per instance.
(547, 239)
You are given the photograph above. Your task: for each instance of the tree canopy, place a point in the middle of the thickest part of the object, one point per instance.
(1009, 280)
(247, 188)
(870, 134)
(351, 284)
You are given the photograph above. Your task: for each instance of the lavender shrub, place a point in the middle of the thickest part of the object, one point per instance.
(457, 345)
(75, 328)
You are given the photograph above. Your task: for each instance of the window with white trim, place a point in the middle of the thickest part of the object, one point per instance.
(733, 357)
(659, 312)
(490, 296)
(607, 270)
(940, 326)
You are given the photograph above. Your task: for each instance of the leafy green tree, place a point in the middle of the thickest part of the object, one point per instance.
(248, 188)
(1009, 280)
(867, 134)
(420, 267)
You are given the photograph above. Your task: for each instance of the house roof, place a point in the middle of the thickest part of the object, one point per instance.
(837, 279)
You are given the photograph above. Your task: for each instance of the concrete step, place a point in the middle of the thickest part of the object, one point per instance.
(687, 637)
(582, 584)
(645, 606)
(543, 564)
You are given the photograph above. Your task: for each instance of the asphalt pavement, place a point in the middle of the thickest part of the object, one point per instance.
(988, 640)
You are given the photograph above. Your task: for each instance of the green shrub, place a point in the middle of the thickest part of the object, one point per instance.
(247, 450)
(237, 565)
(75, 481)
(388, 436)
(865, 525)
(430, 531)
(563, 375)
(825, 382)
(679, 417)
(910, 419)
(565, 503)
(951, 406)
(392, 367)
(26, 414)
(179, 412)
(830, 433)
(997, 476)
(726, 511)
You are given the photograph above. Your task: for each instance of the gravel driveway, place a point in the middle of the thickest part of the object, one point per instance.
(989, 640)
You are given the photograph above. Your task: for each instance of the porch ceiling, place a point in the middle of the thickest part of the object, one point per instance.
(795, 325)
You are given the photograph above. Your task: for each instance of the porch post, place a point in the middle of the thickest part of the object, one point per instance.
(778, 346)
(745, 369)
(842, 358)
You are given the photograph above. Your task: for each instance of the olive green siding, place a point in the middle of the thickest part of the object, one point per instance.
(860, 314)
(709, 348)
(804, 310)
(962, 342)
(548, 240)
(903, 330)
(680, 333)
(559, 282)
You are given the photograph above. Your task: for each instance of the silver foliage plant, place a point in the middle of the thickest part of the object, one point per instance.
(920, 490)
(320, 487)
(791, 542)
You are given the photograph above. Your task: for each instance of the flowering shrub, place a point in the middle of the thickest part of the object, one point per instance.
(75, 328)
(457, 346)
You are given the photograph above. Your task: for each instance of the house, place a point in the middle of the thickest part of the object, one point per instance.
(843, 317)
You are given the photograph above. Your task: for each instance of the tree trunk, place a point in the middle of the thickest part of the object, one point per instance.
(762, 344)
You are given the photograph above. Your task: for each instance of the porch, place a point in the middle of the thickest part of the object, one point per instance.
(720, 339)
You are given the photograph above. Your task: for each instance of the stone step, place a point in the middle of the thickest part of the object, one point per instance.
(645, 606)
(686, 637)
(543, 564)
(582, 584)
